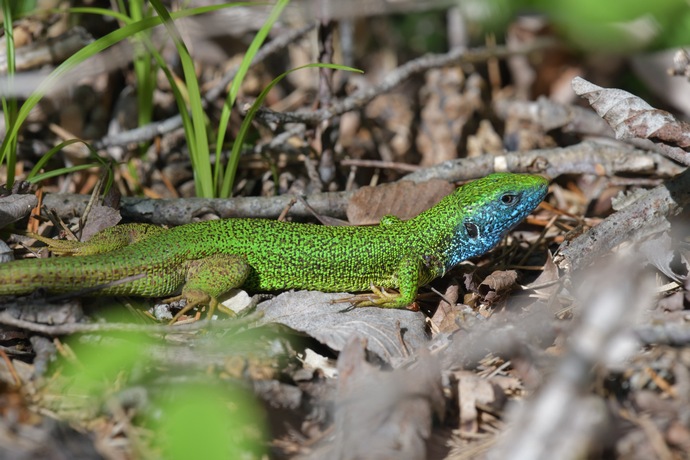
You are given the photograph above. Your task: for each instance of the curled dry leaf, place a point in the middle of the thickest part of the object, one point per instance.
(631, 118)
(546, 283)
(665, 255)
(490, 291)
(497, 284)
(447, 314)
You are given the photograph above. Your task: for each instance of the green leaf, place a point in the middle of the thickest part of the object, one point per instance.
(237, 83)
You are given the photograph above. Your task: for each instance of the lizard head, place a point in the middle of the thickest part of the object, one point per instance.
(481, 212)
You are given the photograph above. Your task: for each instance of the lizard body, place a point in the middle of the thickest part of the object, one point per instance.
(205, 259)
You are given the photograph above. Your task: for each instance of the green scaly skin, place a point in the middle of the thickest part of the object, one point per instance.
(206, 259)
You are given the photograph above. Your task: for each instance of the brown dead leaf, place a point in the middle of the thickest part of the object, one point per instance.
(100, 217)
(632, 118)
(546, 283)
(473, 391)
(446, 315)
(496, 284)
(402, 199)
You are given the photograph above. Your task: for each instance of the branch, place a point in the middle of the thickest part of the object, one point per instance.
(362, 97)
(648, 214)
(584, 158)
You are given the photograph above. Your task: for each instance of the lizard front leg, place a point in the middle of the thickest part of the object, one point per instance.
(409, 275)
(208, 278)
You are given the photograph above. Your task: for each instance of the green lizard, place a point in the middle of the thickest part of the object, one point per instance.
(203, 260)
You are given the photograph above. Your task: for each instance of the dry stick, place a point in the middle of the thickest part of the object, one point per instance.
(275, 45)
(394, 165)
(647, 215)
(152, 130)
(142, 134)
(324, 140)
(360, 98)
(569, 118)
(584, 158)
(48, 52)
(73, 328)
(550, 115)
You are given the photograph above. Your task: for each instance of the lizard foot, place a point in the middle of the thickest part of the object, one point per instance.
(198, 298)
(377, 298)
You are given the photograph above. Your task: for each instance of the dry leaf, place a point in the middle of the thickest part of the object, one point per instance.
(473, 390)
(549, 276)
(446, 316)
(402, 199)
(15, 207)
(391, 333)
(632, 118)
(100, 217)
(497, 284)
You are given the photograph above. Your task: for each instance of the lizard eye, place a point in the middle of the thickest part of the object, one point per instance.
(509, 199)
(472, 230)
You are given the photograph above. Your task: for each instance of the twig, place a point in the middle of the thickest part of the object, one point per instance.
(648, 214)
(74, 328)
(583, 158)
(399, 75)
(183, 211)
(142, 134)
(397, 166)
(275, 45)
(587, 157)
